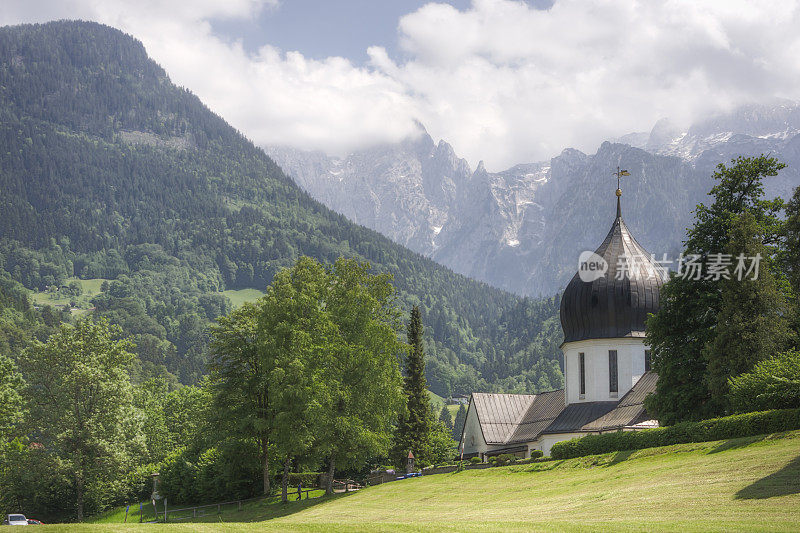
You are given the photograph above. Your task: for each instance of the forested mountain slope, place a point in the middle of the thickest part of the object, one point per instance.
(108, 170)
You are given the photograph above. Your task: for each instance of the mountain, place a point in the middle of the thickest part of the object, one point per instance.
(109, 171)
(522, 229)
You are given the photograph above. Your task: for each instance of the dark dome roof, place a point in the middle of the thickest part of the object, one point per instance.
(609, 307)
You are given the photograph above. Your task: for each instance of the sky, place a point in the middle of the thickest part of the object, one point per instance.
(503, 81)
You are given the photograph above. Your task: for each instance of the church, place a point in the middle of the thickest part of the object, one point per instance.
(606, 361)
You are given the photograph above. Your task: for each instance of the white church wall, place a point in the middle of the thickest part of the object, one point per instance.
(545, 442)
(630, 366)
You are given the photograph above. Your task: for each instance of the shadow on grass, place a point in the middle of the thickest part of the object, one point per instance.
(268, 511)
(620, 456)
(781, 483)
(732, 444)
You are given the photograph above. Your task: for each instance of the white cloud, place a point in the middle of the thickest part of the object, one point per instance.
(501, 81)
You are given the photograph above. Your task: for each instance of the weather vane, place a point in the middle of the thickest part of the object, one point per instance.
(619, 173)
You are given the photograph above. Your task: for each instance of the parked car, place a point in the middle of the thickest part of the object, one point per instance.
(15, 520)
(34, 522)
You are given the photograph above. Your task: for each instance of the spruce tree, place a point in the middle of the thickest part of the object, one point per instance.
(446, 418)
(458, 425)
(415, 422)
(416, 388)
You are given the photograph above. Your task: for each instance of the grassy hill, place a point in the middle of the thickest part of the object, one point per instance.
(749, 484)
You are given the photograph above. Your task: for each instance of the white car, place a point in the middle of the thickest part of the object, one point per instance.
(15, 520)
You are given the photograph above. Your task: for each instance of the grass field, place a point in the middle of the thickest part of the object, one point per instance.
(437, 402)
(750, 484)
(238, 297)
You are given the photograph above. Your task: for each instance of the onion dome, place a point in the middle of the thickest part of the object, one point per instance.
(616, 303)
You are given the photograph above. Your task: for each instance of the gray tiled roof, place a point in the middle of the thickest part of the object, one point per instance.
(498, 413)
(606, 416)
(630, 409)
(577, 415)
(515, 418)
(541, 413)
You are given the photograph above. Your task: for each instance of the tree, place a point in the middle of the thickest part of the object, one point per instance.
(312, 366)
(361, 385)
(458, 425)
(685, 324)
(446, 418)
(773, 383)
(78, 396)
(296, 335)
(239, 379)
(11, 403)
(414, 425)
(791, 257)
(752, 324)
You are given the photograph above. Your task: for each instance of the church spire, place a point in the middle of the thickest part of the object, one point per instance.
(619, 173)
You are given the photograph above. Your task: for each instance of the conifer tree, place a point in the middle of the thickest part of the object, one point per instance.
(458, 425)
(446, 418)
(414, 424)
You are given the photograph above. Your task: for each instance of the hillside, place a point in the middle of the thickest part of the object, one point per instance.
(109, 171)
(749, 484)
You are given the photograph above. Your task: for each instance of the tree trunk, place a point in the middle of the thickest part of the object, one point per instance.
(265, 453)
(331, 471)
(79, 496)
(285, 480)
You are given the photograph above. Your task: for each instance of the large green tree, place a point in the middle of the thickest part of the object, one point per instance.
(361, 385)
(79, 401)
(685, 324)
(752, 324)
(312, 367)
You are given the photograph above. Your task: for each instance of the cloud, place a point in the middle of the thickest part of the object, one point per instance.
(502, 81)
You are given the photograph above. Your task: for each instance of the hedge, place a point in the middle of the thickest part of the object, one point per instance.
(728, 427)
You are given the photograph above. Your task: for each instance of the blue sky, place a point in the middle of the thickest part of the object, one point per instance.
(320, 29)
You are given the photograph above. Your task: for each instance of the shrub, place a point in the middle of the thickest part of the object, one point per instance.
(772, 384)
(729, 427)
(475, 460)
(535, 454)
(505, 459)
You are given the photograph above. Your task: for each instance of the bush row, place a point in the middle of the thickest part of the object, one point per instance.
(728, 427)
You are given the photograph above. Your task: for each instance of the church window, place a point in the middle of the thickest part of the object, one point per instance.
(647, 360)
(582, 363)
(613, 376)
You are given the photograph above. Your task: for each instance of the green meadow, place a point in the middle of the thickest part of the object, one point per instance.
(748, 484)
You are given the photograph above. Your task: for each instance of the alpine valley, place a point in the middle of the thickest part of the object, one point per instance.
(117, 184)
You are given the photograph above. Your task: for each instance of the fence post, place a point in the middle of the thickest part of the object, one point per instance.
(194, 512)
(219, 508)
(165, 510)
(140, 512)
(240, 505)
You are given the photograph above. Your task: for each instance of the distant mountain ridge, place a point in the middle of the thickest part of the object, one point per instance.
(522, 229)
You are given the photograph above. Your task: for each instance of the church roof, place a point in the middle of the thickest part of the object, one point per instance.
(517, 418)
(617, 303)
(607, 416)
